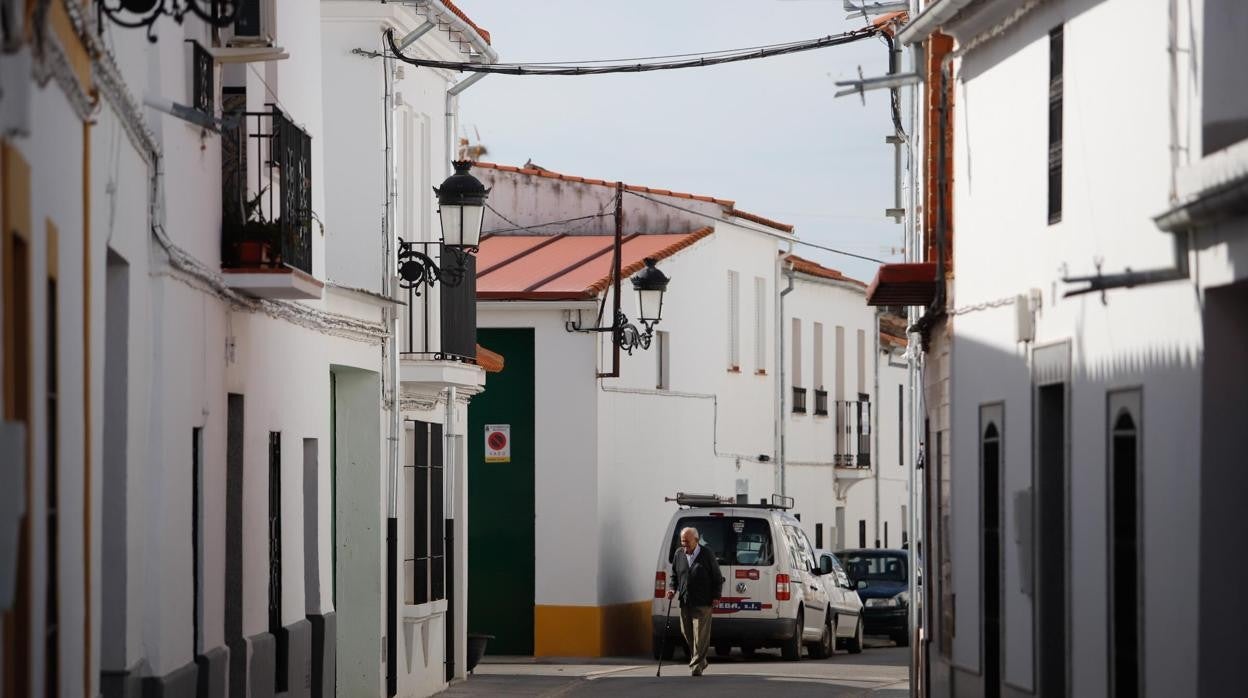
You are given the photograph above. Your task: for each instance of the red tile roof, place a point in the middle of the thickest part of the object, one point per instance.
(460, 13)
(535, 171)
(806, 266)
(565, 267)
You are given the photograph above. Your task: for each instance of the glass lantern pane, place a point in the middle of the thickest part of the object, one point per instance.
(473, 217)
(452, 224)
(650, 305)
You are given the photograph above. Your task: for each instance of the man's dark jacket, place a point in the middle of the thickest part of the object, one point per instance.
(701, 584)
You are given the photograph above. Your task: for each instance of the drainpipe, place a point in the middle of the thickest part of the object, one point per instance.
(875, 425)
(781, 416)
(392, 362)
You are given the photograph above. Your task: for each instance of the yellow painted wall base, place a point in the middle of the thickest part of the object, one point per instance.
(592, 631)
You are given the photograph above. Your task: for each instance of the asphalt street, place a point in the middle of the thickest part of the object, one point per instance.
(880, 670)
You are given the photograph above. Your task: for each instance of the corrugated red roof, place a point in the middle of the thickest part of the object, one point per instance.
(565, 267)
(806, 266)
(460, 13)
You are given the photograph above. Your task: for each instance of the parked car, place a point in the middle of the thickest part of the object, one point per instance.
(846, 604)
(773, 594)
(881, 577)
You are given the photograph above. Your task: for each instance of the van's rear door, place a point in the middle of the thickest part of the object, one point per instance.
(744, 545)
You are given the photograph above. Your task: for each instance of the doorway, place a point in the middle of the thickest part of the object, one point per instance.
(1051, 596)
(501, 500)
(991, 424)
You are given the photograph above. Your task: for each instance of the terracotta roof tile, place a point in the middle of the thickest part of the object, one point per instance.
(761, 220)
(807, 266)
(492, 362)
(460, 13)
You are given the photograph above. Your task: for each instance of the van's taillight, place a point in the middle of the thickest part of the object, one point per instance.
(782, 588)
(660, 585)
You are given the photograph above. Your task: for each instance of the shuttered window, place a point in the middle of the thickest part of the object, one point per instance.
(734, 321)
(760, 325)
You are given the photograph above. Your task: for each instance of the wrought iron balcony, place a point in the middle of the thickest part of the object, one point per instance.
(799, 400)
(457, 316)
(266, 191)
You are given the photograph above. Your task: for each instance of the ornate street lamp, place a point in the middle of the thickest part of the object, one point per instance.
(650, 285)
(461, 209)
(133, 14)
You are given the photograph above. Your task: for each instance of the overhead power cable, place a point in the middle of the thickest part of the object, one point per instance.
(786, 238)
(702, 61)
(534, 226)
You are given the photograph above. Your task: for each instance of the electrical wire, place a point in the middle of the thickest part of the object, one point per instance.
(702, 62)
(652, 58)
(518, 227)
(778, 236)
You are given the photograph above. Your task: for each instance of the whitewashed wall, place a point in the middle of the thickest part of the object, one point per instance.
(1117, 174)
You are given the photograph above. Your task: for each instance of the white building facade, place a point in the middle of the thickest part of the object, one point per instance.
(1083, 477)
(696, 412)
(201, 358)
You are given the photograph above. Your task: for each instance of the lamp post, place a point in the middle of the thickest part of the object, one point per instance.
(461, 211)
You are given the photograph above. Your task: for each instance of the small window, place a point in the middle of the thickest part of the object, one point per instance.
(1056, 96)
(760, 325)
(663, 356)
(821, 402)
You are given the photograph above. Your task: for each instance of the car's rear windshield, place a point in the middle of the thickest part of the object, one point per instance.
(891, 568)
(735, 540)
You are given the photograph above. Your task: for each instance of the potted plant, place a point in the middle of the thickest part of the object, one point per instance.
(256, 241)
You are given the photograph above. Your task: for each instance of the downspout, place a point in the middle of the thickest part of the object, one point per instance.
(875, 425)
(392, 362)
(782, 416)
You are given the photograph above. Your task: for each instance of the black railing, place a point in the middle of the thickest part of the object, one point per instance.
(457, 316)
(203, 92)
(821, 402)
(266, 182)
(799, 400)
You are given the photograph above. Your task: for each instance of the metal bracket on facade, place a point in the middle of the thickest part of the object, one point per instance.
(886, 82)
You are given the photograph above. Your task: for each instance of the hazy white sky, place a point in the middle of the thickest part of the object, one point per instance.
(767, 134)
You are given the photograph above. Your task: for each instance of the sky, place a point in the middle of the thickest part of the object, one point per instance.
(767, 134)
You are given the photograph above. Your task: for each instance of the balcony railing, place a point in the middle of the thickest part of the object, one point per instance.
(457, 315)
(799, 400)
(821, 402)
(266, 182)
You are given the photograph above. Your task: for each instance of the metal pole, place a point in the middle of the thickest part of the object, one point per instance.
(615, 291)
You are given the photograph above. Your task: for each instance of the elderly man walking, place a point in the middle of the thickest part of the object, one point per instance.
(699, 585)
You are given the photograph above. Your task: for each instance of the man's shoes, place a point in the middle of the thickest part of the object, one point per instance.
(697, 671)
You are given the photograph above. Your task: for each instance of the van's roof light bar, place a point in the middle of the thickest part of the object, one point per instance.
(685, 499)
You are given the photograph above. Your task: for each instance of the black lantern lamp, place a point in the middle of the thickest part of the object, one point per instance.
(144, 13)
(461, 208)
(650, 285)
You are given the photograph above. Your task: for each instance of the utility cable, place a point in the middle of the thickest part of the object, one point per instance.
(518, 227)
(701, 62)
(778, 236)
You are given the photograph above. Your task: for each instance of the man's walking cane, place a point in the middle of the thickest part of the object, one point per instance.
(663, 641)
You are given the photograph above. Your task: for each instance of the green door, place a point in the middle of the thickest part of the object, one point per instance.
(500, 500)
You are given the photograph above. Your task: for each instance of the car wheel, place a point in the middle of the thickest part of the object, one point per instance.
(747, 651)
(823, 648)
(902, 639)
(854, 645)
(667, 649)
(723, 650)
(791, 650)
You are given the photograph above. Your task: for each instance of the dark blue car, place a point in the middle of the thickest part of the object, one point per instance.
(883, 582)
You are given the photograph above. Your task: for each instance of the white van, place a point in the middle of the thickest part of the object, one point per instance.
(772, 596)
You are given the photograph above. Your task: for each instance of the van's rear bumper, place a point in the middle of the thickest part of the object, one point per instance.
(758, 631)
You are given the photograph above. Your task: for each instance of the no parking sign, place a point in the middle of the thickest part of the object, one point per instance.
(497, 443)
